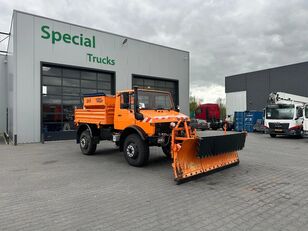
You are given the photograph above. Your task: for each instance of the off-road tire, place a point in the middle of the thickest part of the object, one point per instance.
(87, 145)
(136, 150)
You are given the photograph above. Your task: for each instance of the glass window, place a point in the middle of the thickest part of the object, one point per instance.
(71, 73)
(52, 90)
(51, 81)
(280, 111)
(88, 84)
(50, 99)
(170, 84)
(52, 71)
(103, 85)
(124, 100)
(71, 82)
(154, 100)
(160, 84)
(88, 75)
(62, 90)
(51, 117)
(52, 109)
(157, 84)
(71, 100)
(71, 91)
(299, 112)
(104, 77)
(88, 91)
(148, 83)
(138, 82)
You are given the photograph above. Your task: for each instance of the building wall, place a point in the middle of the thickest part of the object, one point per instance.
(132, 57)
(235, 101)
(291, 79)
(11, 80)
(3, 93)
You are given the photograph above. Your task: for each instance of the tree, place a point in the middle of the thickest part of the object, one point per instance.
(192, 105)
(222, 107)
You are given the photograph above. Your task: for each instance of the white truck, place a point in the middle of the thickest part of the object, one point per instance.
(305, 124)
(285, 114)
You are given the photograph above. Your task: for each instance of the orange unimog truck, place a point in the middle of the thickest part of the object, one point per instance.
(139, 118)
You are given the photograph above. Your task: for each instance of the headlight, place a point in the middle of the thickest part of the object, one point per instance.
(172, 124)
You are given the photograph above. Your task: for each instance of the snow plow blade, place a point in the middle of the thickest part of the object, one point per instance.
(198, 155)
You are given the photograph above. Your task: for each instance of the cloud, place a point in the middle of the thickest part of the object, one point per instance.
(223, 37)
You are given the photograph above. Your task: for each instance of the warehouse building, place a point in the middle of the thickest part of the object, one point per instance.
(250, 91)
(50, 64)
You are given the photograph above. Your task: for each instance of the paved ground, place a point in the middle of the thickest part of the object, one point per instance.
(54, 187)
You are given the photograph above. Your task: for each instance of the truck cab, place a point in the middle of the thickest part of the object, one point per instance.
(305, 123)
(210, 112)
(284, 119)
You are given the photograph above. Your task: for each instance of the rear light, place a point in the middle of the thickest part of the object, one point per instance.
(297, 127)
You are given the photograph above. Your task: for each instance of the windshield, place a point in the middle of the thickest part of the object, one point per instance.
(151, 100)
(280, 111)
(306, 111)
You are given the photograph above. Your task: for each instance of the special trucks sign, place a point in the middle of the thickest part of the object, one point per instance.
(78, 40)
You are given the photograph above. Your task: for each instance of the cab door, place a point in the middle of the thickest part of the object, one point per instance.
(124, 112)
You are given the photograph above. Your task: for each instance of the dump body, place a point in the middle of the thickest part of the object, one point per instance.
(97, 110)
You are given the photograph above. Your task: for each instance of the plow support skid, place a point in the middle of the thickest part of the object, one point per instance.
(193, 155)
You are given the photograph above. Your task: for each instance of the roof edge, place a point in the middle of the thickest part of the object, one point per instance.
(89, 28)
(267, 69)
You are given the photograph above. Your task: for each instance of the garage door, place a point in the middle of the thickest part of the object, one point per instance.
(158, 84)
(62, 90)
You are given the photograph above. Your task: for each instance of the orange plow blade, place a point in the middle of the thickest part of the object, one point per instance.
(194, 155)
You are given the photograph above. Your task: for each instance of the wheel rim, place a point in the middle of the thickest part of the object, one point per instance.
(84, 142)
(131, 151)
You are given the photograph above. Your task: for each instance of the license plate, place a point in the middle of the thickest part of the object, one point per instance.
(278, 130)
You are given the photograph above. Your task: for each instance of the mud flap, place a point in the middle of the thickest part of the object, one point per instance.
(202, 155)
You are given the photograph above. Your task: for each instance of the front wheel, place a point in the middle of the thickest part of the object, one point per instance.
(273, 135)
(87, 144)
(136, 150)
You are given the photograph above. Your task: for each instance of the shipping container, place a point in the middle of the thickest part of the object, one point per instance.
(245, 120)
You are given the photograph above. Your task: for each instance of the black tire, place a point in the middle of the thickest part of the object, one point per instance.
(167, 150)
(273, 135)
(87, 145)
(136, 150)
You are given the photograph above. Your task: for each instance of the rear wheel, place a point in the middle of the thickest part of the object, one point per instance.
(136, 151)
(273, 135)
(87, 144)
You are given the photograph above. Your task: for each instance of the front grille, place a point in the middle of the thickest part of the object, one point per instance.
(278, 125)
(163, 128)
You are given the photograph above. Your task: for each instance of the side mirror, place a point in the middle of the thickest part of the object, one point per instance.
(177, 108)
(138, 116)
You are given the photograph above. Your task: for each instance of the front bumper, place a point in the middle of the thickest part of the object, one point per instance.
(286, 132)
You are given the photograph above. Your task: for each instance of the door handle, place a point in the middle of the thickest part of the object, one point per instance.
(119, 115)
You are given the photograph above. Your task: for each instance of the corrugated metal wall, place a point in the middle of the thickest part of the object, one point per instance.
(3, 93)
(292, 79)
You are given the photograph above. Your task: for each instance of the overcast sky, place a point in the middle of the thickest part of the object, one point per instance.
(223, 37)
